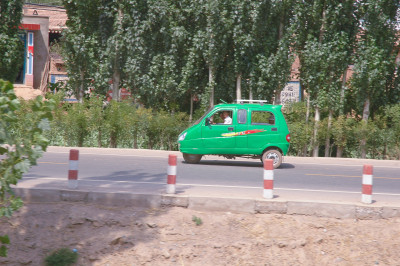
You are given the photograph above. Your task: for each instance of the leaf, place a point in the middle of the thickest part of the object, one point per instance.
(23, 166)
(5, 239)
(2, 150)
(3, 251)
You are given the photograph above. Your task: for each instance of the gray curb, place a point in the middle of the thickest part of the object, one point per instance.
(332, 210)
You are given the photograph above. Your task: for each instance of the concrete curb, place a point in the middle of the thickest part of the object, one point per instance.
(319, 209)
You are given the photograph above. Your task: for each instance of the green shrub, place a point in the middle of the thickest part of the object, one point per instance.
(61, 257)
(76, 127)
(96, 121)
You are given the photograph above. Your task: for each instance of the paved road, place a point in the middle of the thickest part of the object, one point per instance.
(145, 171)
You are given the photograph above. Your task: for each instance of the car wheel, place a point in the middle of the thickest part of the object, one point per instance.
(192, 158)
(275, 155)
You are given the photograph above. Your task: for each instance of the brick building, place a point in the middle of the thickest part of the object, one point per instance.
(41, 26)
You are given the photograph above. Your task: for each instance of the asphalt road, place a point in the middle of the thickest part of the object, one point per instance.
(145, 170)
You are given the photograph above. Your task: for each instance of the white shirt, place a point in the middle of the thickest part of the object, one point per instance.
(228, 120)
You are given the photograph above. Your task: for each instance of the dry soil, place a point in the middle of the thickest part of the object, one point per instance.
(170, 236)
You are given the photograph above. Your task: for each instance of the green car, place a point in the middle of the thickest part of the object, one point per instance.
(250, 129)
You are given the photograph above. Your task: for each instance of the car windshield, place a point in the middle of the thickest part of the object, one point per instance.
(201, 118)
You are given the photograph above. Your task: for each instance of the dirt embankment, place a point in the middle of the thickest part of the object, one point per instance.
(128, 236)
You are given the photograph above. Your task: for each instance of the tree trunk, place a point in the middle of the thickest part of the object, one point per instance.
(116, 81)
(339, 152)
(341, 111)
(116, 68)
(113, 140)
(191, 108)
(239, 86)
(277, 99)
(322, 29)
(328, 139)
(99, 139)
(211, 84)
(81, 87)
(315, 137)
(398, 153)
(307, 119)
(308, 109)
(365, 117)
(135, 140)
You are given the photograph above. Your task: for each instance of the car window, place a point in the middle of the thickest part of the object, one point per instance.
(262, 118)
(242, 116)
(204, 115)
(222, 117)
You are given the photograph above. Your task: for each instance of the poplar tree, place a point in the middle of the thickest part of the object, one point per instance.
(81, 47)
(324, 33)
(11, 46)
(375, 68)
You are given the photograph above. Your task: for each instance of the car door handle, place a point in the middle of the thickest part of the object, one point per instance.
(274, 129)
(230, 128)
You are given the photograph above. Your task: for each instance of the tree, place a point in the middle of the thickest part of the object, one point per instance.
(242, 41)
(81, 45)
(324, 33)
(375, 60)
(273, 56)
(212, 37)
(11, 47)
(19, 151)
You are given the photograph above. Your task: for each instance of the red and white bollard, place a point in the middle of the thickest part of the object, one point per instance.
(73, 169)
(367, 178)
(171, 179)
(268, 179)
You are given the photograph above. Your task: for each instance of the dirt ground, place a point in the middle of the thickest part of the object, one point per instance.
(131, 236)
(26, 92)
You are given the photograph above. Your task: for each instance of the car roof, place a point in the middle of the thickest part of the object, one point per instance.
(249, 105)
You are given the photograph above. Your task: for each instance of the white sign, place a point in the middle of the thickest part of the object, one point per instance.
(291, 93)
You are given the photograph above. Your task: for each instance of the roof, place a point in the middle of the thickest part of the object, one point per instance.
(57, 15)
(249, 105)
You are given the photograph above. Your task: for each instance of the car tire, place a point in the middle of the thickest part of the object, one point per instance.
(275, 155)
(192, 158)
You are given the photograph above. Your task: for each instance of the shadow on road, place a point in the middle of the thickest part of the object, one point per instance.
(240, 163)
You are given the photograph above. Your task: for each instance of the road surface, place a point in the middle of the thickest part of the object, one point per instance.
(144, 171)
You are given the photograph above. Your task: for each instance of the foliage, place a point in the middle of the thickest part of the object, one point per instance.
(22, 142)
(76, 122)
(347, 132)
(61, 257)
(11, 47)
(166, 51)
(81, 44)
(300, 132)
(45, 2)
(4, 240)
(116, 124)
(197, 220)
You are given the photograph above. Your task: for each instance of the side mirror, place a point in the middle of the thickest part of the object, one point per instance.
(208, 121)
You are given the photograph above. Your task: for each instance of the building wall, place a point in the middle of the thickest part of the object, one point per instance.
(41, 46)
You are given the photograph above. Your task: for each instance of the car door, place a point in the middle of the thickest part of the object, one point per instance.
(241, 129)
(262, 130)
(217, 136)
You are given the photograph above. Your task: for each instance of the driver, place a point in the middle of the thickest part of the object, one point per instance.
(225, 116)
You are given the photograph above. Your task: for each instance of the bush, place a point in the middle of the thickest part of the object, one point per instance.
(61, 257)
(125, 125)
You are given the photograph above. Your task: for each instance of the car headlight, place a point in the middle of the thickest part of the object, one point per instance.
(182, 136)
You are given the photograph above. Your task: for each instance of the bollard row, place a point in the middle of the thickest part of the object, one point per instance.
(367, 178)
(268, 191)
